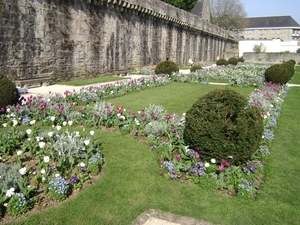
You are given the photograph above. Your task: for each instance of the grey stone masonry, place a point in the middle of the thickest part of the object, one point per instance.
(69, 39)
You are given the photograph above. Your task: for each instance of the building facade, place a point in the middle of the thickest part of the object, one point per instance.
(275, 33)
(272, 27)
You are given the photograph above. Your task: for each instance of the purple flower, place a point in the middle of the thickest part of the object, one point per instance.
(177, 156)
(245, 169)
(194, 170)
(73, 180)
(199, 164)
(187, 168)
(201, 172)
(252, 168)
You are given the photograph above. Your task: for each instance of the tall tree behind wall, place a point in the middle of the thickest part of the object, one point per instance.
(228, 14)
(187, 5)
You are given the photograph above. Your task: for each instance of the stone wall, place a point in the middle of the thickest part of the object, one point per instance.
(270, 57)
(66, 39)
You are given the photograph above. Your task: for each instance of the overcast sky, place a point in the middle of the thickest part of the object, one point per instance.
(273, 8)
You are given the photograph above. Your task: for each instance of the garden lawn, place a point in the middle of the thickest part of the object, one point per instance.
(91, 80)
(175, 97)
(131, 184)
(296, 77)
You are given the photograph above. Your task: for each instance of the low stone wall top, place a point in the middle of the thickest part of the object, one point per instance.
(170, 13)
(270, 57)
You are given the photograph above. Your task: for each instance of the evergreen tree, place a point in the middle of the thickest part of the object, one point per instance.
(187, 5)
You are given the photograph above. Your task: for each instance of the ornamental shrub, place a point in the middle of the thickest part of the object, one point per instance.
(166, 67)
(291, 68)
(9, 94)
(233, 61)
(10, 176)
(221, 125)
(277, 74)
(222, 62)
(195, 67)
(292, 61)
(241, 59)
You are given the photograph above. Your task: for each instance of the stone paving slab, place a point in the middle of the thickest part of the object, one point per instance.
(157, 217)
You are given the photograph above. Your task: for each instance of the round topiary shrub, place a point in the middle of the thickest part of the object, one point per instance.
(291, 68)
(233, 61)
(278, 74)
(221, 125)
(9, 94)
(166, 67)
(292, 61)
(241, 59)
(195, 67)
(222, 62)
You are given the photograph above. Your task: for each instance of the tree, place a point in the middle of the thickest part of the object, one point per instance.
(259, 48)
(228, 14)
(187, 5)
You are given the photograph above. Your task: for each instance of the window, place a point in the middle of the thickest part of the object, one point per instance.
(273, 31)
(277, 31)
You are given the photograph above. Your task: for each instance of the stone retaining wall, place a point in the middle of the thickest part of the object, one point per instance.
(270, 57)
(66, 39)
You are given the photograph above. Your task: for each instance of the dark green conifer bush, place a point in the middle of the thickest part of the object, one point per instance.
(166, 67)
(233, 61)
(222, 62)
(221, 125)
(196, 67)
(9, 94)
(277, 74)
(241, 59)
(291, 68)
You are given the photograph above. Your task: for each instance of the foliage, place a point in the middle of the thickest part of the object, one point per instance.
(228, 14)
(195, 67)
(233, 61)
(221, 126)
(187, 5)
(10, 176)
(259, 48)
(290, 67)
(292, 61)
(58, 188)
(166, 67)
(277, 74)
(241, 59)
(9, 94)
(167, 137)
(298, 50)
(18, 205)
(222, 62)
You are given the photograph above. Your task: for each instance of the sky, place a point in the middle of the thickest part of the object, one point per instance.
(273, 8)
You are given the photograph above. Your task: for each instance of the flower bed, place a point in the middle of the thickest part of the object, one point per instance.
(57, 161)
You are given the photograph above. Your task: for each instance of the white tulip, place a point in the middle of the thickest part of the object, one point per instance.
(22, 171)
(87, 142)
(42, 144)
(46, 159)
(19, 152)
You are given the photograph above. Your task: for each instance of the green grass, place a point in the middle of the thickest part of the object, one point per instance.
(296, 77)
(175, 97)
(131, 184)
(91, 80)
